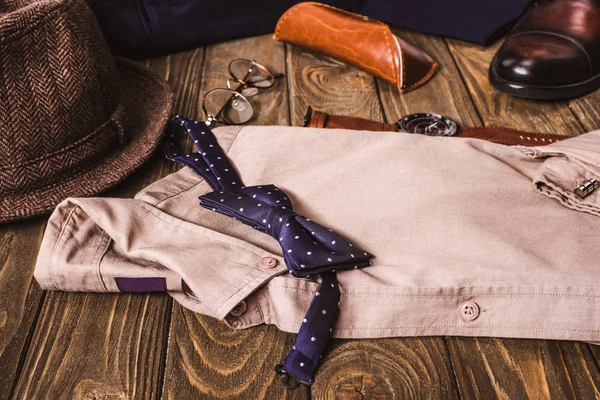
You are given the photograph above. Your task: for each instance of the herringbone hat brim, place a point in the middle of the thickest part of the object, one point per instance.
(145, 105)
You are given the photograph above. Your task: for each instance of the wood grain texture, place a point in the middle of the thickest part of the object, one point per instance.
(518, 369)
(96, 346)
(20, 296)
(587, 110)
(89, 345)
(206, 359)
(183, 71)
(409, 368)
(209, 360)
(444, 94)
(595, 349)
(328, 85)
(500, 109)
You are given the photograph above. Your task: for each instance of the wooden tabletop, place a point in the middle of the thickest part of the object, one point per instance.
(120, 346)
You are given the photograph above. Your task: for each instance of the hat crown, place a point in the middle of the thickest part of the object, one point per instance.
(59, 89)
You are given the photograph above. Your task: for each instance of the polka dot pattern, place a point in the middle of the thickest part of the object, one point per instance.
(308, 248)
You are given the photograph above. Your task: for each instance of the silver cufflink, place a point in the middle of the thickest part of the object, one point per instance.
(586, 188)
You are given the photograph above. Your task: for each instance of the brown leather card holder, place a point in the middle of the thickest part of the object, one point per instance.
(356, 40)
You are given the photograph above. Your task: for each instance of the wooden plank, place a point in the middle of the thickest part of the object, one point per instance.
(184, 73)
(518, 368)
(206, 359)
(408, 368)
(364, 368)
(96, 346)
(582, 367)
(328, 85)
(108, 345)
(20, 297)
(595, 349)
(444, 94)
(500, 109)
(587, 110)
(209, 360)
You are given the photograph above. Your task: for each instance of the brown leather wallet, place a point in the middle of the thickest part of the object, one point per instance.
(357, 40)
(507, 136)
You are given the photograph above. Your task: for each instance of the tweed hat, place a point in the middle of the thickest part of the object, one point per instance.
(74, 121)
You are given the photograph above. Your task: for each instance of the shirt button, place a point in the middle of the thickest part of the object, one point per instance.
(269, 262)
(240, 309)
(469, 310)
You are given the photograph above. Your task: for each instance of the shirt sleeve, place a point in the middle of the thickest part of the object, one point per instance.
(566, 165)
(128, 245)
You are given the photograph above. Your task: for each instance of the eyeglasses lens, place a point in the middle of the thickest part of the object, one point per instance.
(251, 73)
(228, 105)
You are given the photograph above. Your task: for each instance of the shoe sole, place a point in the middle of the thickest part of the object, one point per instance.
(534, 92)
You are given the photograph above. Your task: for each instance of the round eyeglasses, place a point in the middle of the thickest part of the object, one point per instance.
(231, 105)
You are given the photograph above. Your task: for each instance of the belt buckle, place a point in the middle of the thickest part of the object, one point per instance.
(427, 124)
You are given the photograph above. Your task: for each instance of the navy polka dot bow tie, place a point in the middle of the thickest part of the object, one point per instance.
(308, 248)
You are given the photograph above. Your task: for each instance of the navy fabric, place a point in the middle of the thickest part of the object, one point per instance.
(308, 247)
(141, 285)
(139, 28)
(479, 21)
(153, 27)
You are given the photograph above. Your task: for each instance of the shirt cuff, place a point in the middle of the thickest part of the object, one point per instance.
(565, 166)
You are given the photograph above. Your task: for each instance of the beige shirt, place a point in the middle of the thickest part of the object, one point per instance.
(470, 238)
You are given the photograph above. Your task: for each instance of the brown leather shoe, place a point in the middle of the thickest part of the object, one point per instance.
(552, 53)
